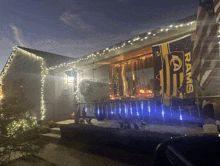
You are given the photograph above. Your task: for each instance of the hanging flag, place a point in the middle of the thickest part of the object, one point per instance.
(206, 46)
(172, 69)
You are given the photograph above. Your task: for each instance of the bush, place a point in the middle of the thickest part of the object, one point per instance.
(18, 127)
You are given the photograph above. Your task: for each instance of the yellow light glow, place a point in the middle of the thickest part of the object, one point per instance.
(149, 91)
(141, 91)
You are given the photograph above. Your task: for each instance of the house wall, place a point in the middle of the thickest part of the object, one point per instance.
(59, 96)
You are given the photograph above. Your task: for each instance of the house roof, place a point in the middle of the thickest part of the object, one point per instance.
(167, 33)
(50, 58)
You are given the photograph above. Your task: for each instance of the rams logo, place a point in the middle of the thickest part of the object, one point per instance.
(176, 63)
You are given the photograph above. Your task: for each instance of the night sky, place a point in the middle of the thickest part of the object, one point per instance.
(79, 27)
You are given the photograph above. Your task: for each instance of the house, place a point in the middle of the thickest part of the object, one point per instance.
(161, 65)
(25, 73)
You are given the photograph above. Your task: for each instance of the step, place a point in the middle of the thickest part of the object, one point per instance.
(65, 122)
(54, 138)
(55, 131)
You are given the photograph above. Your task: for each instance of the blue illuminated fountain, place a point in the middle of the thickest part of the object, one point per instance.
(119, 108)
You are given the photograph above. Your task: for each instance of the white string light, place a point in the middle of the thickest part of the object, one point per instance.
(16, 51)
(130, 42)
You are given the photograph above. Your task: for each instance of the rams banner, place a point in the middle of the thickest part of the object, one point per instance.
(172, 69)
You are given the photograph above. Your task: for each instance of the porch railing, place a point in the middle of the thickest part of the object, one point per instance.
(146, 110)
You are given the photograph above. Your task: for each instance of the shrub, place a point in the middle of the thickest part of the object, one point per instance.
(18, 127)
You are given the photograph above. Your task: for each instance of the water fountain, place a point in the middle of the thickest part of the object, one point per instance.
(111, 108)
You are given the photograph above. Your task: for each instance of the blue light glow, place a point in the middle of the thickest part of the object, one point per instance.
(137, 109)
(115, 108)
(163, 114)
(142, 106)
(131, 109)
(126, 111)
(148, 108)
(106, 109)
(98, 110)
(181, 118)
